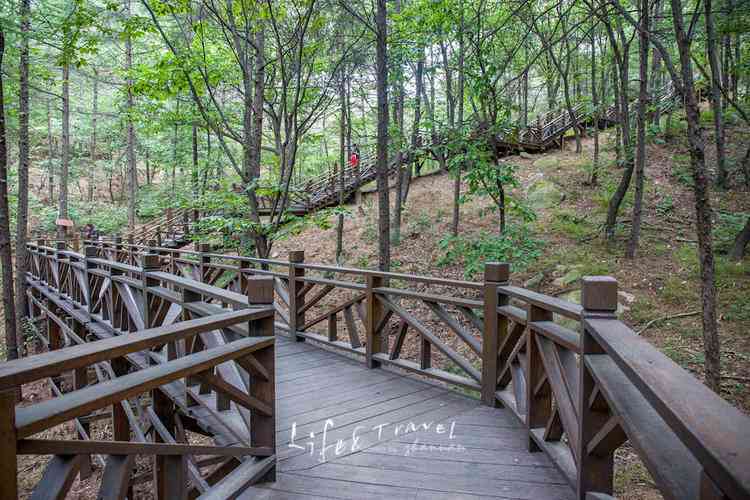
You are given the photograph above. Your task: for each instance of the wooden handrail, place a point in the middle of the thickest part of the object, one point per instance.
(22, 371)
(714, 431)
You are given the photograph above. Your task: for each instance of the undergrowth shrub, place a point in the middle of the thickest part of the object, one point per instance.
(516, 246)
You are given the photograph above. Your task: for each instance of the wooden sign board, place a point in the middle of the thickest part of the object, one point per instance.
(64, 222)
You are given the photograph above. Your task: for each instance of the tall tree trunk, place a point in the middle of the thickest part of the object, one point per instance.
(640, 154)
(398, 116)
(415, 135)
(461, 86)
(92, 153)
(713, 60)
(6, 259)
(50, 154)
(381, 165)
(175, 139)
(342, 164)
(261, 242)
(22, 214)
(703, 209)
(656, 66)
(130, 128)
(624, 117)
(65, 163)
(593, 179)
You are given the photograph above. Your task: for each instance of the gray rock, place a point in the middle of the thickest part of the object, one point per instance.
(526, 156)
(543, 194)
(547, 162)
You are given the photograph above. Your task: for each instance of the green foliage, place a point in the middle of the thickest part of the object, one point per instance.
(516, 245)
(665, 205)
(726, 228)
(681, 169)
(570, 224)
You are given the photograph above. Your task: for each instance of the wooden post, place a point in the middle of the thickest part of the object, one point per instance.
(375, 314)
(81, 380)
(164, 409)
(263, 427)
(150, 262)
(242, 276)
(496, 274)
(595, 473)
(118, 248)
(89, 253)
(538, 404)
(9, 470)
(205, 261)
(296, 302)
(170, 224)
(260, 293)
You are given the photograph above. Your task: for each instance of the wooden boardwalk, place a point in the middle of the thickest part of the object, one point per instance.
(207, 343)
(478, 452)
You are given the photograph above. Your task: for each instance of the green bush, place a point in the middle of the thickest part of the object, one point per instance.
(516, 246)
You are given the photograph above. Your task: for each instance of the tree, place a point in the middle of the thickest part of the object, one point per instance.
(381, 162)
(6, 259)
(640, 152)
(22, 214)
(129, 125)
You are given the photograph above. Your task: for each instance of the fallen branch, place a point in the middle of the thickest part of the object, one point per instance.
(737, 378)
(666, 318)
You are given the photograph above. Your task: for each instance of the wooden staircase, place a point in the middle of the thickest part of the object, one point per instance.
(172, 229)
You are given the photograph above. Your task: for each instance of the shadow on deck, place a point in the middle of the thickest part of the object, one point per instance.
(390, 436)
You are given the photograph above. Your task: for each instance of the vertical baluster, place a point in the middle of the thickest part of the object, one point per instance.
(204, 259)
(296, 302)
(496, 274)
(149, 264)
(164, 409)
(538, 405)
(595, 473)
(375, 313)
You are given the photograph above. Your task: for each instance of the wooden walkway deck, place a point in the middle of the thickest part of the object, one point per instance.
(378, 419)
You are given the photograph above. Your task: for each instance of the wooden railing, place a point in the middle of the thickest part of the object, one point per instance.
(203, 357)
(580, 395)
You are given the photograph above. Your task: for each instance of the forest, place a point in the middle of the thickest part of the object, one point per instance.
(567, 137)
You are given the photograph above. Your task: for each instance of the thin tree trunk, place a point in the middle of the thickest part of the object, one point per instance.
(381, 166)
(640, 155)
(50, 154)
(624, 118)
(261, 242)
(130, 128)
(593, 179)
(65, 164)
(175, 138)
(342, 164)
(461, 86)
(713, 60)
(6, 259)
(22, 214)
(92, 154)
(702, 205)
(415, 136)
(398, 116)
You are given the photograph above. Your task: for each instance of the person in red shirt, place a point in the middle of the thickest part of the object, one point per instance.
(354, 158)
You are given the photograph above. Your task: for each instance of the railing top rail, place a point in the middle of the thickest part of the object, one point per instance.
(201, 288)
(715, 431)
(21, 371)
